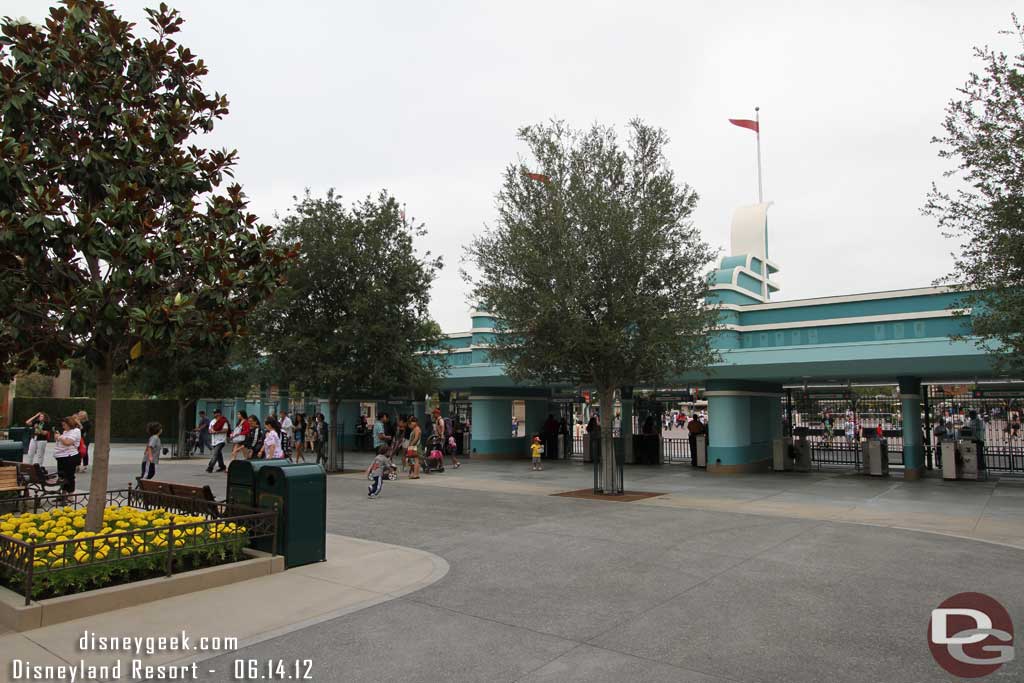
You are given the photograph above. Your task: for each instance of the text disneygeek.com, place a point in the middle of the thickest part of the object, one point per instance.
(139, 648)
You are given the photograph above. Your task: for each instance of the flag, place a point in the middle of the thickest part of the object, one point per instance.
(537, 176)
(746, 123)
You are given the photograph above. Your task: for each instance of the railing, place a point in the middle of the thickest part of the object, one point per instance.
(675, 451)
(17, 557)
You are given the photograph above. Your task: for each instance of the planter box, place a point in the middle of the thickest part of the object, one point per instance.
(16, 615)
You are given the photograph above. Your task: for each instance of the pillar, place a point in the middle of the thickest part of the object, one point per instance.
(492, 428)
(61, 386)
(910, 407)
(743, 418)
(626, 430)
(348, 418)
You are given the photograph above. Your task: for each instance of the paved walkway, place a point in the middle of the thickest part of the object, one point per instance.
(357, 575)
(724, 578)
(990, 511)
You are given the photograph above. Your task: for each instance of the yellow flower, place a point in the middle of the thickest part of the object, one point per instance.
(59, 562)
(81, 556)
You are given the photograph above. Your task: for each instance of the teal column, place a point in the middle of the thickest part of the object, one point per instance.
(492, 428)
(348, 416)
(910, 407)
(743, 418)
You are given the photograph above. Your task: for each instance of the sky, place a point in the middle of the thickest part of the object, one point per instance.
(424, 99)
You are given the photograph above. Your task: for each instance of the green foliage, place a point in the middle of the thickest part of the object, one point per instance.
(984, 138)
(33, 385)
(595, 271)
(128, 421)
(353, 313)
(112, 228)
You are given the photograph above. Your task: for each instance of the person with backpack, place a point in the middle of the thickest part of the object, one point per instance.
(85, 424)
(219, 428)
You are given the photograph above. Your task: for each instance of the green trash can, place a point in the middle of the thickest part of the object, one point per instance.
(11, 451)
(300, 493)
(242, 475)
(21, 434)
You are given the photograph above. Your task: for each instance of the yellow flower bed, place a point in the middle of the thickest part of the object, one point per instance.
(140, 551)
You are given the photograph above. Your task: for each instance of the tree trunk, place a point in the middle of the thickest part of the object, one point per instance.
(610, 483)
(182, 407)
(332, 436)
(101, 449)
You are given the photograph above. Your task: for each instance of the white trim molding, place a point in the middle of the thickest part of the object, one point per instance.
(826, 322)
(843, 299)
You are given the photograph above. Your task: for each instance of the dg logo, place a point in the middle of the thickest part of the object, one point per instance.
(971, 635)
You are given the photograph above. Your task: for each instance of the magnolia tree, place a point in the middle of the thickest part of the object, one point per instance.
(593, 268)
(984, 138)
(352, 319)
(119, 237)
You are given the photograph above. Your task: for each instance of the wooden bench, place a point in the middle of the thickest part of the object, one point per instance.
(183, 498)
(35, 480)
(11, 487)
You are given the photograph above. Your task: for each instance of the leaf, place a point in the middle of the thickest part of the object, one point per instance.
(136, 351)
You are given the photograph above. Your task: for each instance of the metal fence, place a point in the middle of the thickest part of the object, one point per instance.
(675, 451)
(179, 541)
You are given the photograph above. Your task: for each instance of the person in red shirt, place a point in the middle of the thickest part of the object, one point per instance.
(240, 434)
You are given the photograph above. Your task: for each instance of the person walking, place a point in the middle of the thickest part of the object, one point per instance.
(41, 431)
(202, 431)
(153, 448)
(66, 452)
(695, 428)
(412, 453)
(256, 436)
(300, 436)
(439, 437)
(218, 429)
(85, 424)
(375, 472)
(240, 434)
(287, 434)
(272, 448)
(380, 432)
(535, 453)
(321, 438)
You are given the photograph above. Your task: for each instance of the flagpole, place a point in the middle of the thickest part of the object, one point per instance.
(760, 187)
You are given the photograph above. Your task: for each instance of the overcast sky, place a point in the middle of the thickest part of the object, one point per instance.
(424, 98)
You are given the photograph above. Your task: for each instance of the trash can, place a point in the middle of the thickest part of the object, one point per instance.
(947, 448)
(875, 454)
(300, 493)
(242, 478)
(11, 451)
(968, 459)
(702, 450)
(21, 434)
(782, 454)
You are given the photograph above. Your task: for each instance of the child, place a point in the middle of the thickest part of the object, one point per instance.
(152, 456)
(435, 460)
(535, 451)
(375, 472)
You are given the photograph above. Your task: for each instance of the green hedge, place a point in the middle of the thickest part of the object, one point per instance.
(128, 416)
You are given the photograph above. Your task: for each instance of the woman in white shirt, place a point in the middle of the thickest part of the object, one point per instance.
(66, 451)
(271, 440)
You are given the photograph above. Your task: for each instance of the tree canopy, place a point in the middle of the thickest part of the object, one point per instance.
(984, 138)
(593, 268)
(118, 234)
(353, 317)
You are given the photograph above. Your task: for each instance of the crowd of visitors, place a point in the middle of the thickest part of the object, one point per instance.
(70, 436)
(278, 437)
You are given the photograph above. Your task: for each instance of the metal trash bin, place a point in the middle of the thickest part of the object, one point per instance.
(968, 460)
(20, 434)
(875, 454)
(947, 450)
(782, 454)
(242, 478)
(11, 451)
(702, 450)
(299, 491)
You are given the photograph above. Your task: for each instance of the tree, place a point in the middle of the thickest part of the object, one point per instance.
(984, 137)
(117, 237)
(593, 268)
(188, 375)
(352, 318)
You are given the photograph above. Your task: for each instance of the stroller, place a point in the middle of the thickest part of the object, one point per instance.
(434, 462)
(396, 449)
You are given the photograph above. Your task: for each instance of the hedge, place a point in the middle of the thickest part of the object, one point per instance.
(128, 416)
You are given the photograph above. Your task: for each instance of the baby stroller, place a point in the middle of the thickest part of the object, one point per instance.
(396, 449)
(434, 460)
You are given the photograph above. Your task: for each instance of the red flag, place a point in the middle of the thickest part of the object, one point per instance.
(537, 176)
(745, 123)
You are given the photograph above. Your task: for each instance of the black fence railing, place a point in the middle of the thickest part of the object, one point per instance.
(225, 526)
(676, 451)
